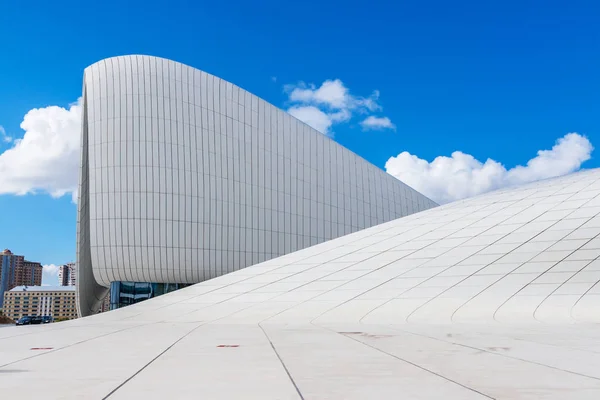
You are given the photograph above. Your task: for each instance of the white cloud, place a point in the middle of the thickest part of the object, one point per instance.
(274, 78)
(46, 159)
(328, 104)
(332, 94)
(377, 123)
(50, 275)
(3, 136)
(312, 116)
(451, 178)
(50, 269)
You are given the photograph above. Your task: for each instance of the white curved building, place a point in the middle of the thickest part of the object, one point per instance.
(494, 297)
(186, 177)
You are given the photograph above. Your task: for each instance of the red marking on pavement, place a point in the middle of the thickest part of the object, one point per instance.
(42, 348)
(228, 345)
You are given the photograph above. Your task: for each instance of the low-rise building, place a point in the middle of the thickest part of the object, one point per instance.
(55, 301)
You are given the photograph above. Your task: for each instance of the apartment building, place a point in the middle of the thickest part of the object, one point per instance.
(67, 275)
(9, 263)
(29, 273)
(16, 271)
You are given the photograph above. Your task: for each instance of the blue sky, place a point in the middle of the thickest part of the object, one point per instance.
(497, 80)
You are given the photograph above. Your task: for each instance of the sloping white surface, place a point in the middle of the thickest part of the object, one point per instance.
(492, 297)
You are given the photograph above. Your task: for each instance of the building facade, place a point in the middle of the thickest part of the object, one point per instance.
(57, 302)
(16, 271)
(28, 273)
(9, 263)
(67, 275)
(123, 294)
(185, 177)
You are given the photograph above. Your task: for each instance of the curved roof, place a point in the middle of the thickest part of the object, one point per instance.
(495, 296)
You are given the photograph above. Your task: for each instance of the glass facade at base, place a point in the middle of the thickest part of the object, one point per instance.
(123, 294)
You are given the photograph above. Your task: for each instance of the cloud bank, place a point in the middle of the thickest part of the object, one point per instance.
(46, 159)
(459, 176)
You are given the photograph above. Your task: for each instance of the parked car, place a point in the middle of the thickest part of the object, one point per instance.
(24, 321)
(29, 320)
(46, 319)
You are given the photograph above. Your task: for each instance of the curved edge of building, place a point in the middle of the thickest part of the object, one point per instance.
(88, 293)
(186, 177)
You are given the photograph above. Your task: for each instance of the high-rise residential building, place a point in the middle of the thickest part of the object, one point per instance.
(57, 302)
(28, 273)
(67, 275)
(9, 264)
(186, 177)
(16, 271)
